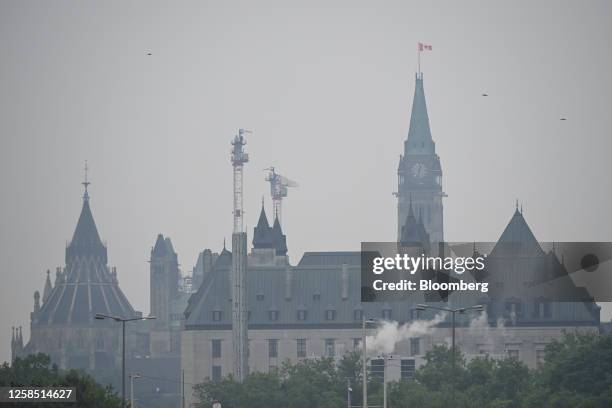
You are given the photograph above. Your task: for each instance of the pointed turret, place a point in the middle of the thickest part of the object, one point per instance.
(413, 231)
(36, 302)
(419, 139)
(263, 218)
(86, 240)
(262, 234)
(48, 288)
(280, 240)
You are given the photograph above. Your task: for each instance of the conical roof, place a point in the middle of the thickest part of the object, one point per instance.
(86, 240)
(517, 239)
(86, 286)
(263, 218)
(263, 236)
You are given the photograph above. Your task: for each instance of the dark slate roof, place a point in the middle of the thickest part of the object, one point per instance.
(419, 139)
(266, 237)
(86, 286)
(517, 239)
(325, 281)
(263, 236)
(86, 240)
(352, 258)
(324, 273)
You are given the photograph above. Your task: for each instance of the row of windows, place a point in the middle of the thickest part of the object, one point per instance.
(541, 308)
(330, 315)
(329, 349)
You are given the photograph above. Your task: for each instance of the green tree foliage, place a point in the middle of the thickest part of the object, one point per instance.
(37, 371)
(577, 372)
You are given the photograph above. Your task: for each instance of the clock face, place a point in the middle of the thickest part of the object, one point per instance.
(418, 170)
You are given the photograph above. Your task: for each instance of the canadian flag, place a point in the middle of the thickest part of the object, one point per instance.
(424, 47)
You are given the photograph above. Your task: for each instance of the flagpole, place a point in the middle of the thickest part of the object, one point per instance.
(419, 58)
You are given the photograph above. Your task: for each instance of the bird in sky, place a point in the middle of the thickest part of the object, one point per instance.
(149, 53)
(484, 94)
(562, 119)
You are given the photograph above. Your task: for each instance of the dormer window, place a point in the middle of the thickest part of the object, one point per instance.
(216, 315)
(386, 314)
(316, 295)
(541, 308)
(514, 308)
(273, 315)
(302, 314)
(260, 296)
(358, 315)
(330, 314)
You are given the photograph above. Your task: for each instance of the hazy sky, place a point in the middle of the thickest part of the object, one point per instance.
(327, 88)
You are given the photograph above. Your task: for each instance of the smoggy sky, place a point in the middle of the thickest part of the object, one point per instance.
(327, 89)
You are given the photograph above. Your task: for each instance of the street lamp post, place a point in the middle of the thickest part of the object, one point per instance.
(123, 321)
(453, 312)
(364, 361)
(348, 391)
(132, 376)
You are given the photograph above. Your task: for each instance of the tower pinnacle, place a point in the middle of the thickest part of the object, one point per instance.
(86, 182)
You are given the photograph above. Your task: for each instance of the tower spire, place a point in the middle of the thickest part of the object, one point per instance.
(86, 182)
(410, 210)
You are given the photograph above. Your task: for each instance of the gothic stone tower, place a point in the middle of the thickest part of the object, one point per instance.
(163, 280)
(419, 172)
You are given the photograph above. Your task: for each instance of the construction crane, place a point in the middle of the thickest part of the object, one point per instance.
(239, 157)
(278, 188)
(238, 281)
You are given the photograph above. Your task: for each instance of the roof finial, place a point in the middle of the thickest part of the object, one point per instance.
(521, 208)
(86, 183)
(516, 205)
(223, 242)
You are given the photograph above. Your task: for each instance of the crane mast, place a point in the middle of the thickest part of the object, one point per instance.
(238, 277)
(278, 188)
(239, 158)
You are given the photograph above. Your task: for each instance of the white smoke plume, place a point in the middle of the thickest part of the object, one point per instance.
(487, 334)
(388, 334)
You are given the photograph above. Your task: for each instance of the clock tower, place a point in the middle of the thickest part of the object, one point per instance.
(420, 173)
